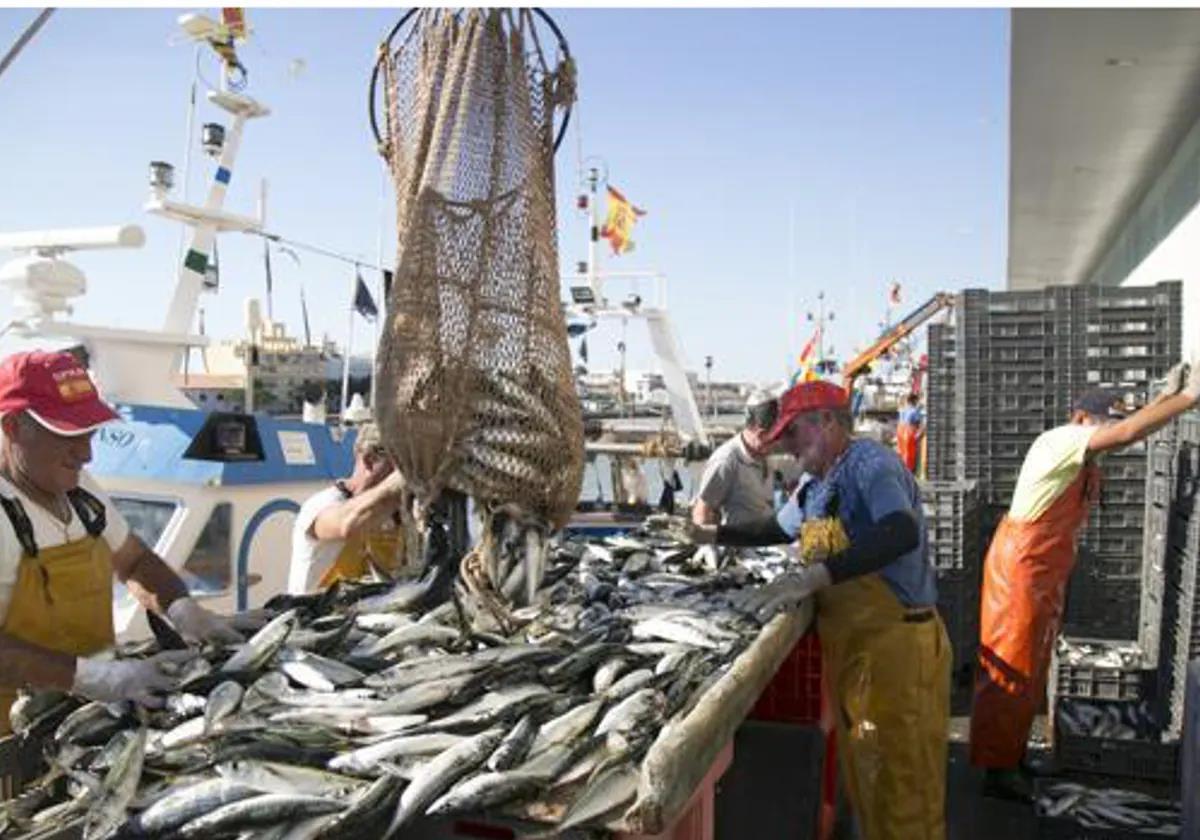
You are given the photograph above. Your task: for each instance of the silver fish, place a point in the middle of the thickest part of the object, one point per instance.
(188, 803)
(262, 645)
(568, 726)
(631, 711)
(485, 790)
(515, 745)
(366, 758)
(120, 784)
(274, 777)
(265, 810)
(628, 684)
(439, 774)
(223, 701)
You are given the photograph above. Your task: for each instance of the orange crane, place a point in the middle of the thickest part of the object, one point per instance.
(860, 363)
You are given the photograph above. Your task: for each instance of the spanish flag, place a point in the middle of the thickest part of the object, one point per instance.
(622, 216)
(234, 19)
(806, 373)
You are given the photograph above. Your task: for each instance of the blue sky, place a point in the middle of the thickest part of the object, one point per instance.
(873, 141)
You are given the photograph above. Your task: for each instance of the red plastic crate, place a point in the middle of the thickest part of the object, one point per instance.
(794, 694)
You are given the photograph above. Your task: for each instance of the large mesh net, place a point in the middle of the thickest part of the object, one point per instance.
(476, 391)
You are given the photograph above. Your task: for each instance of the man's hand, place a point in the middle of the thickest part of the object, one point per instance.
(197, 624)
(1191, 385)
(787, 591)
(141, 680)
(1174, 380)
(690, 532)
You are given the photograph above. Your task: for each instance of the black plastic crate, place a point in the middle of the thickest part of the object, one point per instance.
(1117, 757)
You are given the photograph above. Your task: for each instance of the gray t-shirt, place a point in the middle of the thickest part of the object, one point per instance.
(737, 484)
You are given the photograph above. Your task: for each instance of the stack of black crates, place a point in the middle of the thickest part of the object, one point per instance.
(1009, 369)
(955, 528)
(1169, 630)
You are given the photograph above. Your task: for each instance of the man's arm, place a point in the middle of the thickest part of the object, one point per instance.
(711, 491)
(764, 531)
(705, 514)
(150, 580)
(338, 522)
(1141, 424)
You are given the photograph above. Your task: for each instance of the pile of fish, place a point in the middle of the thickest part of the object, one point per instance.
(1109, 809)
(1097, 653)
(354, 711)
(1121, 719)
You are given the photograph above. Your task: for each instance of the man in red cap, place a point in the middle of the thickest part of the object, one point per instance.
(861, 532)
(1029, 562)
(61, 542)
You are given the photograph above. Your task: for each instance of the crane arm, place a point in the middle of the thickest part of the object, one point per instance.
(885, 342)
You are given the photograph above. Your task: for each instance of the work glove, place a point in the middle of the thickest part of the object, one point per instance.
(143, 681)
(1174, 379)
(197, 624)
(787, 591)
(1191, 386)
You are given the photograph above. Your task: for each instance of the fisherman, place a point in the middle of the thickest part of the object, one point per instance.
(862, 542)
(1029, 562)
(61, 542)
(909, 431)
(737, 486)
(352, 528)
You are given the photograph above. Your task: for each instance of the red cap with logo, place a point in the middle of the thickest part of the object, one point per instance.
(55, 389)
(817, 395)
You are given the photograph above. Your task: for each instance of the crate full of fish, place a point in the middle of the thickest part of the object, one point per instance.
(358, 710)
(1112, 738)
(1071, 811)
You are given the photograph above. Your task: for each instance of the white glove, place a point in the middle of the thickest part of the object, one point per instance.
(1174, 379)
(1191, 387)
(788, 590)
(197, 624)
(141, 680)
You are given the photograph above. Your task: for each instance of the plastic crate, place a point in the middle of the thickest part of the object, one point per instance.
(1095, 683)
(794, 693)
(1117, 757)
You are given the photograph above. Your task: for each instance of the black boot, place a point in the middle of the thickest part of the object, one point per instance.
(1007, 783)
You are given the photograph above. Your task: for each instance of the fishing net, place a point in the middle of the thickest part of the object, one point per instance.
(476, 391)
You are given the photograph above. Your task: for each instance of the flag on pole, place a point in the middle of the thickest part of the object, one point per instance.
(234, 20)
(618, 226)
(364, 304)
(806, 372)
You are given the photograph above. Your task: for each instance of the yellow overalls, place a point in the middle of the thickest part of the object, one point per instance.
(888, 668)
(62, 599)
(380, 548)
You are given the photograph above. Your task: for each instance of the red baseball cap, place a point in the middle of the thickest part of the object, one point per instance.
(56, 391)
(817, 395)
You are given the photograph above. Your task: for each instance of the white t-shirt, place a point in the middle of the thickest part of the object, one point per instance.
(50, 532)
(1053, 462)
(312, 557)
(737, 484)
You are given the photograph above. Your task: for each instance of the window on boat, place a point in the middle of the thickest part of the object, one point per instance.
(147, 518)
(209, 567)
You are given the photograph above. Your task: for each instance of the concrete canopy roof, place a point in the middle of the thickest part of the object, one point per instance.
(1099, 100)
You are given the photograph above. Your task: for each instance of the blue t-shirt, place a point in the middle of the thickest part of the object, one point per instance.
(911, 415)
(870, 482)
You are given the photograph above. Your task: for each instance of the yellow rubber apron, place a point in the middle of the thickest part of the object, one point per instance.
(379, 549)
(62, 599)
(888, 667)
